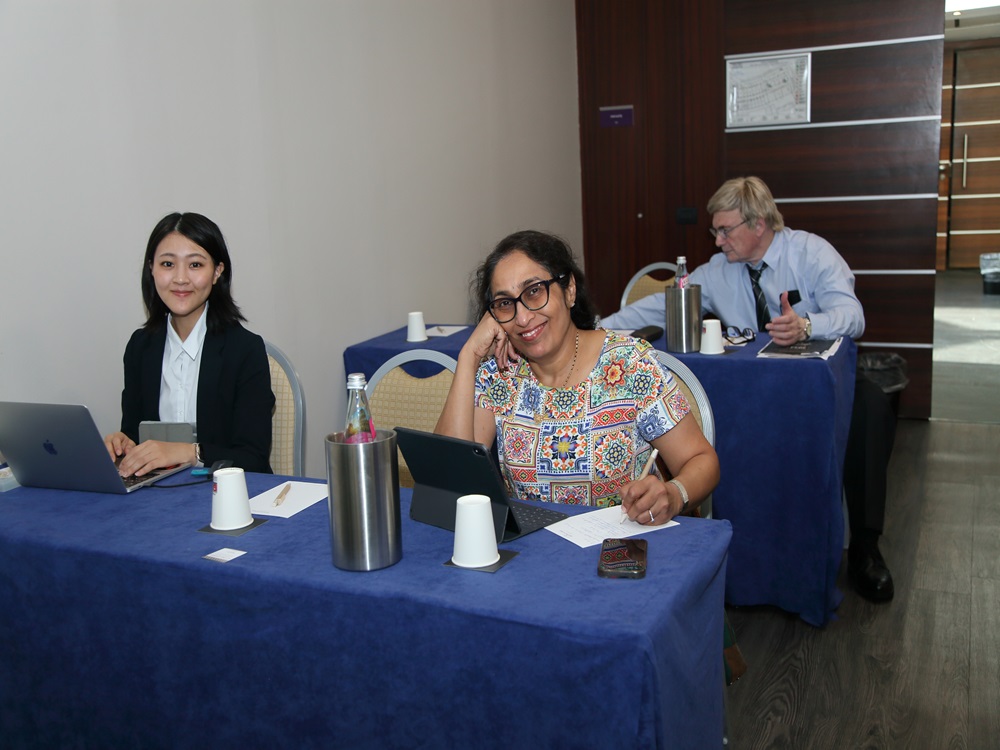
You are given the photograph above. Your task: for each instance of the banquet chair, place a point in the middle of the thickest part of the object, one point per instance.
(398, 399)
(696, 397)
(642, 284)
(288, 422)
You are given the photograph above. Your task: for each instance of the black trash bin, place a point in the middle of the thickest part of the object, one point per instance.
(989, 267)
(887, 370)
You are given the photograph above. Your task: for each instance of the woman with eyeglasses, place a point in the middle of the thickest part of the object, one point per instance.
(576, 411)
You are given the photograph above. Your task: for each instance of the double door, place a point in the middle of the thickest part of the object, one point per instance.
(969, 189)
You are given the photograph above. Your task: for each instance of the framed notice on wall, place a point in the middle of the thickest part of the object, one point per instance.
(766, 90)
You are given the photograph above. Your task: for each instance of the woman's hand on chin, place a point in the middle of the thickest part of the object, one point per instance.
(489, 337)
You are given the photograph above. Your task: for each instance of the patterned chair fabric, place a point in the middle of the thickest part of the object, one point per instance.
(695, 394)
(288, 420)
(642, 284)
(399, 399)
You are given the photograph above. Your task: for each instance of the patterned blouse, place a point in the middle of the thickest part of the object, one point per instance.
(580, 445)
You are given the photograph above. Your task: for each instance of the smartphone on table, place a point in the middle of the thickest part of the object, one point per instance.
(622, 558)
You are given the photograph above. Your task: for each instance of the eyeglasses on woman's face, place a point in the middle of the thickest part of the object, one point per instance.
(739, 336)
(723, 232)
(535, 297)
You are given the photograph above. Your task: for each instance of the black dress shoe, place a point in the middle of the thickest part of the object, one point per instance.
(869, 573)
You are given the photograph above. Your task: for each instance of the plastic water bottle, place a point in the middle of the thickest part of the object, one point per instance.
(681, 275)
(359, 427)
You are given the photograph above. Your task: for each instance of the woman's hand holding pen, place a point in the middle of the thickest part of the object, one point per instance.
(647, 500)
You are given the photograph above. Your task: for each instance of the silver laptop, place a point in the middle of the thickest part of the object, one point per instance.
(58, 446)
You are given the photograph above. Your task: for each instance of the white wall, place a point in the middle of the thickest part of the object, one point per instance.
(361, 156)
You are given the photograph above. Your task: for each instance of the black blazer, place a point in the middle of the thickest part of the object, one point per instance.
(235, 402)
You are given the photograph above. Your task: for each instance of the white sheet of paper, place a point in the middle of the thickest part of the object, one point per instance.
(588, 529)
(225, 554)
(444, 330)
(299, 497)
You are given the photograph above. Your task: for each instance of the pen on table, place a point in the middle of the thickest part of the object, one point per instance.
(645, 473)
(281, 495)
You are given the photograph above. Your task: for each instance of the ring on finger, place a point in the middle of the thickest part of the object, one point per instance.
(651, 519)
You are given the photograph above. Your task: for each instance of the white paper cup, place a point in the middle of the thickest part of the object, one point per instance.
(230, 502)
(475, 537)
(415, 328)
(711, 337)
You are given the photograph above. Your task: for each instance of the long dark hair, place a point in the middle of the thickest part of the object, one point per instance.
(548, 251)
(205, 233)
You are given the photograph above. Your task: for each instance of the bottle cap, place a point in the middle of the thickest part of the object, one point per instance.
(356, 380)
(681, 259)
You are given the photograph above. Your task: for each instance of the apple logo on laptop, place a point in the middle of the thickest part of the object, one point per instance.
(50, 448)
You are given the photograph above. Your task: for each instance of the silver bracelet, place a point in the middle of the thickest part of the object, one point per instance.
(684, 493)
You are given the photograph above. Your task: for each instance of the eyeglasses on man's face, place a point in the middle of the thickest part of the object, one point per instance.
(723, 232)
(739, 336)
(535, 297)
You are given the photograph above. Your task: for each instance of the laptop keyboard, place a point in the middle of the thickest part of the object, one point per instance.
(134, 480)
(532, 517)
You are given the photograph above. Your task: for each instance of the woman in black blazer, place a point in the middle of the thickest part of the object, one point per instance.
(186, 276)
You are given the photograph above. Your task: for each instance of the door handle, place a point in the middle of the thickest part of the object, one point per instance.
(965, 159)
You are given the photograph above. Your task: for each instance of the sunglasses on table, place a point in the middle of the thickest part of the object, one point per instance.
(739, 336)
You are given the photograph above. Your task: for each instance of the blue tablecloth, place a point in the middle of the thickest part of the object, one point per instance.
(781, 433)
(115, 632)
(369, 355)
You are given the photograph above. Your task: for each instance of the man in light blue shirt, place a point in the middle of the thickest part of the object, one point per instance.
(794, 285)
(796, 264)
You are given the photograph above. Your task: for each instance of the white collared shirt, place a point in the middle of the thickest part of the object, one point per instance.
(180, 370)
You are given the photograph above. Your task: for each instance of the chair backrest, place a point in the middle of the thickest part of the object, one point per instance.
(696, 397)
(288, 423)
(642, 284)
(398, 399)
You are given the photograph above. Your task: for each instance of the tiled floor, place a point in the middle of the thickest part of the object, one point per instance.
(966, 350)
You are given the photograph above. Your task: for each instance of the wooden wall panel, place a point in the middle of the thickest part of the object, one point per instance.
(976, 66)
(668, 60)
(855, 157)
(976, 105)
(662, 58)
(983, 142)
(944, 166)
(612, 66)
(965, 249)
(871, 234)
(976, 214)
(889, 311)
(702, 70)
(765, 25)
(880, 159)
(842, 82)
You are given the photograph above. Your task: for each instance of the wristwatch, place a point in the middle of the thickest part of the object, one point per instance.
(809, 328)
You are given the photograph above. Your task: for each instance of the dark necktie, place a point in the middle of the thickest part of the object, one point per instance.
(763, 316)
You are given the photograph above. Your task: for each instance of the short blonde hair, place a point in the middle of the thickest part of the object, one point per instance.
(752, 198)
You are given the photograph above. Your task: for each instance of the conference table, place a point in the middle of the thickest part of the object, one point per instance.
(116, 631)
(781, 433)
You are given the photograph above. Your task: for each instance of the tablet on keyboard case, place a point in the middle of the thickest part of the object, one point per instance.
(445, 468)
